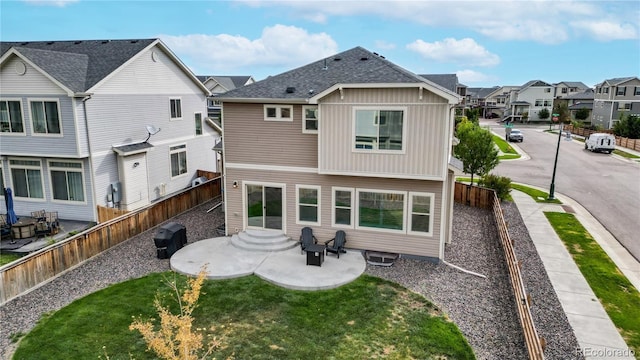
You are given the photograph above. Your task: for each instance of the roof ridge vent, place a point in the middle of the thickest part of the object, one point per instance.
(50, 42)
(364, 58)
(77, 42)
(337, 58)
(291, 90)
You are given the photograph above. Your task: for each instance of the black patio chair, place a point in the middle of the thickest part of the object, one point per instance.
(307, 238)
(338, 243)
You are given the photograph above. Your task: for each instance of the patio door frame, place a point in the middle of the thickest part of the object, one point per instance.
(245, 200)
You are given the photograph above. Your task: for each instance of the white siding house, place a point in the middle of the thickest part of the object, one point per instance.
(74, 125)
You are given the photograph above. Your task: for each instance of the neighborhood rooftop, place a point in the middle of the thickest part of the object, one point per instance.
(354, 66)
(78, 64)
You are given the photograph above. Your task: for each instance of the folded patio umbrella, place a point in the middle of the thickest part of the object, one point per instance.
(8, 199)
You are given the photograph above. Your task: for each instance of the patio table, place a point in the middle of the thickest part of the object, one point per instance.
(24, 229)
(315, 254)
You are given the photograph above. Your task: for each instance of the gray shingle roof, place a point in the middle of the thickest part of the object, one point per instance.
(616, 81)
(78, 65)
(448, 81)
(354, 66)
(586, 95)
(228, 82)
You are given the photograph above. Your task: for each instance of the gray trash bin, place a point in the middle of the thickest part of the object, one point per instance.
(170, 238)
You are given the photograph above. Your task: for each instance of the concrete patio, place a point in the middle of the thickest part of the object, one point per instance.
(286, 268)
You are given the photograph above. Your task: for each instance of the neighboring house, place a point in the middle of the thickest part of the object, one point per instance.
(614, 98)
(568, 88)
(74, 116)
(219, 85)
(495, 100)
(451, 83)
(581, 100)
(351, 142)
(528, 100)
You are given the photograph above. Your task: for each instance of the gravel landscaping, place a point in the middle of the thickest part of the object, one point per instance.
(483, 309)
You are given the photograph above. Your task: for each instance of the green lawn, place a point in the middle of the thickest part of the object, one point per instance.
(618, 296)
(537, 195)
(368, 318)
(7, 258)
(509, 152)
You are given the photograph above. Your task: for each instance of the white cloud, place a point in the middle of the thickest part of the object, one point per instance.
(58, 3)
(224, 53)
(606, 30)
(545, 21)
(471, 76)
(465, 51)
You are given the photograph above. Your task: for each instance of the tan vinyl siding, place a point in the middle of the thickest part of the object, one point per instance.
(357, 238)
(256, 141)
(425, 143)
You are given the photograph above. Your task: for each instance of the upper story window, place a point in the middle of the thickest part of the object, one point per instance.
(11, 116)
(176, 108)
(636, 92)
(376, 129)
(547, 90)
(548, 102)
(564, 90)
(605, 90)
(310, 119)
(622, 91)
(198, 123)
(26, 177)
(66, 180)
(178, 155)
(45, 117)
(278, 112)
(539, 102)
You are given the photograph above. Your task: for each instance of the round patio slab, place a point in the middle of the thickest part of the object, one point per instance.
(284, 268)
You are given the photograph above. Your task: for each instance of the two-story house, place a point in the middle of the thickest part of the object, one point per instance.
(218, 84)
(351, 142)
(567, 88)
(451, 83)
(495, 100)
(578, 101)
(614, 98)
(99, 122)
(526, 101)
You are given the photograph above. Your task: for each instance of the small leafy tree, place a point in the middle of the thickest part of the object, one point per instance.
(562, 109)
(176, 339)
(473, 115)
(582, 114)
(543, 114)
(525, 116)
(628, 126)
(476, 149)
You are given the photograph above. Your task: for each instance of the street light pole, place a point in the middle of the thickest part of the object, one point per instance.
(555, 164)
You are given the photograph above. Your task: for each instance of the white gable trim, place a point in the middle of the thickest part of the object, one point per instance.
(172, 56)
(17, 53)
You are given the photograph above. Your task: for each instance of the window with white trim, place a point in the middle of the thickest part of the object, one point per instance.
(310, 119)
(622, 91)
(539, 102)
(606, 90)
(547, 90)
(564, 90)
(548, 102)
(308, 204)
(178, 156)
(198, 120)
(278, 112)
(380, 209)
(11, 116)
(26, 178)
(420, 213)
(67, 183)
(378, 129)
(45, 117)
(636, 91)
(175, 107)
(342, 212)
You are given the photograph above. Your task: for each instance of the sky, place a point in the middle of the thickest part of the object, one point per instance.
(486, 43)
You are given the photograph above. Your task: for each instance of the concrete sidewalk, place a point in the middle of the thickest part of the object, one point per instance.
(594, 330)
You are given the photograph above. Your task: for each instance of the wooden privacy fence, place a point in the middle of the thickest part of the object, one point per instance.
(633, 144)
(24, 274)
(486, 198)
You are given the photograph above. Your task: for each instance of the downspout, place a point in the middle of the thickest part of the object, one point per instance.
(93, 180)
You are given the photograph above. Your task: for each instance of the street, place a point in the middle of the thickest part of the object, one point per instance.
(606, 185)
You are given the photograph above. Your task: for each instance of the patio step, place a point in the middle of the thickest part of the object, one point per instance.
(262, 240)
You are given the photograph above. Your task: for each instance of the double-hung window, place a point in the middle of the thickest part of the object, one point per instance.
(45, 117)
(66, 180)
(622, 91)
(379, 129)
(636, 91)
(11, 116)
(278, 112)
(26, 176)
(175, 107)
(308, 204)
(420, 213)
(539, 102)
(310, 119)
(178, 156)
(343, 199)
(198, 120)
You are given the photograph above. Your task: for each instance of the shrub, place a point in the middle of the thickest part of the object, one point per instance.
(500, 184)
